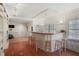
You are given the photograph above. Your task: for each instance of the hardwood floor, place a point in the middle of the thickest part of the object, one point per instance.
(22, 47)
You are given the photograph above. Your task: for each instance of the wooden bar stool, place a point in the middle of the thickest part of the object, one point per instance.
(47, 45)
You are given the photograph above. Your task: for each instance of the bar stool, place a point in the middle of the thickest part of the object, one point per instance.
(48, 42)
(58, 46)
(47, 45)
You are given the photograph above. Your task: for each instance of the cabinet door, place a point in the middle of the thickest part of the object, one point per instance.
(76, 47)
(73, 45)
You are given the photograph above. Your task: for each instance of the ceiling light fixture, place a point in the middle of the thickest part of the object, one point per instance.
(61, 22)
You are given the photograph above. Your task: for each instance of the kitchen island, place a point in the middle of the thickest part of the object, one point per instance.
(47, 41)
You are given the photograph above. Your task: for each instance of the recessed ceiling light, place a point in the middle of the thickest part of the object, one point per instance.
(61, 21)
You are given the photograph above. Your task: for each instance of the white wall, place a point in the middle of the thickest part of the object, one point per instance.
(20, 29)
(43, 20)
(64, 14)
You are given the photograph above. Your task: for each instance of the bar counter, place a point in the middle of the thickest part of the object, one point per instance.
(46, 41)
(43, 33)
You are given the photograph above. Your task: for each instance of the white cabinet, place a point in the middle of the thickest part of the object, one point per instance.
(73, 45)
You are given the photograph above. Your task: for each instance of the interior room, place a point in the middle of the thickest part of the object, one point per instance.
(39, 29)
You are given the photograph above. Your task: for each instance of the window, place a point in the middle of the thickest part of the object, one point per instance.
(74, 29)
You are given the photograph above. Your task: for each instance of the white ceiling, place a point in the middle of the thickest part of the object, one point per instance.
(29, 10)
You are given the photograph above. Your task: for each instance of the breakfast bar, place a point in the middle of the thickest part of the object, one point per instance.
(47, 41)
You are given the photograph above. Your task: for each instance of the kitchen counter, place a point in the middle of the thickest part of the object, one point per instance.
(46, 41)
(42, 33)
